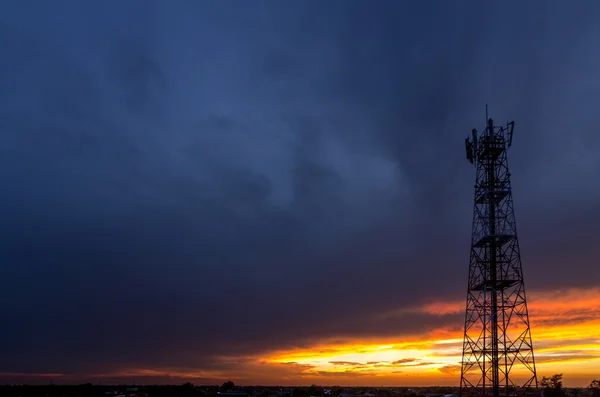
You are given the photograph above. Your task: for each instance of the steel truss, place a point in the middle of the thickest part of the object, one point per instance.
(497, 355)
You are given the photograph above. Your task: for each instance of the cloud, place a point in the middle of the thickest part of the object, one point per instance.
(450, 369)
(404, 361)
(231, 184)
(345, 363)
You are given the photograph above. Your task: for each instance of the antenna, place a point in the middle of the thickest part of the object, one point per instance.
(511, 127)
(486, 113)
(469, 150)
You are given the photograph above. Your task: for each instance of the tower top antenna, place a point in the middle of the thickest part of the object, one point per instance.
(497, 138)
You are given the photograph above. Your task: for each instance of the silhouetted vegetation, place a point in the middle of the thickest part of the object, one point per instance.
(553, 386)
(595, 388)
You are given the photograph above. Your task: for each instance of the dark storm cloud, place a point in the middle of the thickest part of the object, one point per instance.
(191, 181)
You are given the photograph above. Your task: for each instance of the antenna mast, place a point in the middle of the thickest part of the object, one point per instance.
(497, 335)
(486, 113)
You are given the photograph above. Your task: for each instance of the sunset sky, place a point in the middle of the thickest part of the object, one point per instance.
(276, 192)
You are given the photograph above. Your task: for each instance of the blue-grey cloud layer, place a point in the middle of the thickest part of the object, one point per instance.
(190, 179)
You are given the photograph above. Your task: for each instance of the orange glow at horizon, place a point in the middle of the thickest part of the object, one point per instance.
(565, 327)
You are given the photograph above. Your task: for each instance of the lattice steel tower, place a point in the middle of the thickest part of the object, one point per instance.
(497, 349)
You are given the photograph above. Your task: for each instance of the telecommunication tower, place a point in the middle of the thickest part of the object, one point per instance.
(497, 355)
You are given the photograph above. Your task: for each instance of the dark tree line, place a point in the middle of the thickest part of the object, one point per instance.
(553, 386)
(595, 388)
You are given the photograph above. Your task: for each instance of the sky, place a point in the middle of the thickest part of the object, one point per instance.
(277, 192)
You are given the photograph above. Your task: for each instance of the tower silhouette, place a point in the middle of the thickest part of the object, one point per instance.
(497, 357)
